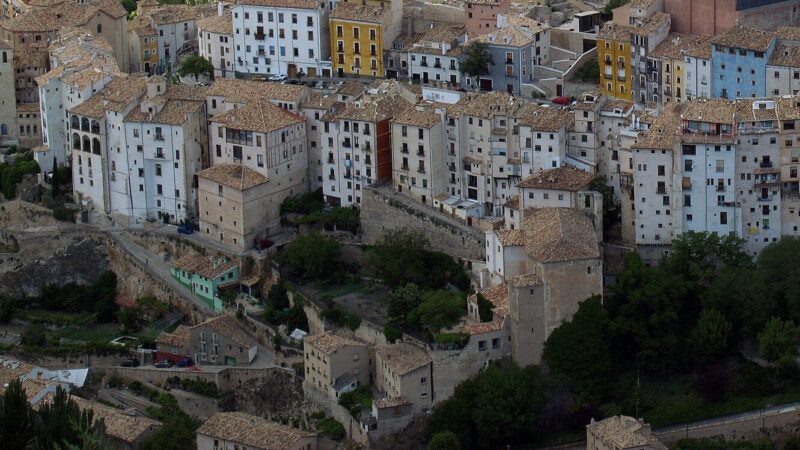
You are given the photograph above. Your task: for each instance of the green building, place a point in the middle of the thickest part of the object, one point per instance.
(205, 275)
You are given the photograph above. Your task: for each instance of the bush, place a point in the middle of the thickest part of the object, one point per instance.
(64, 214)
(357, 400)
(392, 334)
(200, 387)
(485, 308)
(331, 428)
(312, 257)
(34, 335)
(341, 318)
(307, 203)
(459, 339)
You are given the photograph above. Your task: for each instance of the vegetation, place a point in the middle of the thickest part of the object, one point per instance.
(279, 311)
(196, 66)
(476, 60)
(357, 400)
(178, 428)
(611, 214)
(59, 424)
(311, 205)
(484, 308)
(721, 444)
(312, 257)
(11, 174)
(306, 203)
(201, 387)
(439, 309)
(446, 440)
(97, 298)
(341, 318)
(331, 428)
(589, 72)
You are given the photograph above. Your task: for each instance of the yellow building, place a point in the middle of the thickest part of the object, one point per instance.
(143, 40)
(359, 34)
(614, 58)
(671, 53)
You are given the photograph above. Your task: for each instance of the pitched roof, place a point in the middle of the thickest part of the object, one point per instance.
(483, 327)
(124, 425)
(525, 280)
(304, 4)
(564, 178)
(217, 24)
(540, 118)
(329, 343)
(252, 431)
(498, 296)
(513, 202)
(206, 266)
(788, 33)
(788, 108)
(178, 338)
(709, 110)
(241, 91)
(676, 45)
(560, 234)
(237, 176)
(785, 55)
(624, 432)
(510, 237)
(167, 14)
(53, 19)
(512, 36)
(650, 24)
(745, 112)
(230, 327)
(746, 38)
(612, 31)
(117, 95)
(487, 105)
(385, 106)
(391, 402)
(664, 131)
(402, 358)
(416, 117)
(358, 12)
(259, 115)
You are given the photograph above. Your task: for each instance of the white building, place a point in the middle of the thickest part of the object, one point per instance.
(435, 56)
(177, 31)
(281, 37)
(697, 67)
(418, 153)
(215, 36)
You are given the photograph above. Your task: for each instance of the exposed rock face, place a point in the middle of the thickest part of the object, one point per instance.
(58, 257)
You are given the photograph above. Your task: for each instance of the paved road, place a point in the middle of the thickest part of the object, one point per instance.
(158, 268)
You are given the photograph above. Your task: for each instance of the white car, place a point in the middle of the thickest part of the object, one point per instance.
(277, 77)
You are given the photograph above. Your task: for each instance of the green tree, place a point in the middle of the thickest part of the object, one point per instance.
(446, 440)
(780, 264)
(130, 319)
(611, 213)
(732, 293)
(484, 308)
(579, 350)
(709, 339)
(17, 419)
(402, 303)
(278, 296)
(778, 340)
(439, 309)
(312, 257)
(129, 5)
(6, 309)
(476, 59)
(34, 335)
(91, 433)
(195, 66)
(55, 180)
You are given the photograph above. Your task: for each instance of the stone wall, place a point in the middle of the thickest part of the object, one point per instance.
(382, 212)
(225, 379)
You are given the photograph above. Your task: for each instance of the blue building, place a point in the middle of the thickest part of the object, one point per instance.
(512, 63)
(739, 59)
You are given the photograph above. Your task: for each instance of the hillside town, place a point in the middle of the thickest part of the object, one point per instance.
(434, 224)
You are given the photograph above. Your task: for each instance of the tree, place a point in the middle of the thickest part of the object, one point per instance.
(34, 335)
(446, 440)
(312, 257)
(780, 264)
(17, 420)
(6, 309)
(579, 350)
(778, 340)
(130, 319)
(611, 213)
(484, 308)
(709, 338)
(439, 309)
(195, 66)
(278, 296)
(402, 303)
(712, 383)
(55, 180)
(129, 5)
(476, 59)
(732, 293)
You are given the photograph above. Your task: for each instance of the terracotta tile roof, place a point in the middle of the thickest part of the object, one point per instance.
(303, 4)
(484, 327)
(483, 2)
(353, 88)
(180, 13)
(700, 47)
(528, 279)
(785, 55)
(356, 12)
(510, 237)
(487, 105)
(179, 101)
(651, 24)
(217, 24)
(92, 107)
(615, 32)
(402, 358)
(237, 176)
(540, 118)
(126, 426)
(178, 338)
(472, 159)
(329, 343)
(419, 116)
(316, 100)
(142, 26)
(29, 58)
(513, 203)
(117, 95)
(443, 33)
(624, 433)
(513, 36)
(391, 402)
(205, 266)
(560, 234)
(259, 115)
(616, 103)
(745, 112)
(788, 107)
(252, 431)
(709, 110)
(498, 295)
(642, 3)
(788, 33)
(54, 19)
(241, 91)
(28, 107)
(228, 326)
(663, 132)
(746, 38)
(564, 178)
(11, 370)
(676, 46)
(385, 106)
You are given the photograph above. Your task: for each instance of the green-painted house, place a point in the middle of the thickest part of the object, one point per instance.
(205, 275)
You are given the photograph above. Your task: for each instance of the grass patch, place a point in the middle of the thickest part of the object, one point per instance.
(59, 318)
(329, 292)
(103, 332)
(357, 400)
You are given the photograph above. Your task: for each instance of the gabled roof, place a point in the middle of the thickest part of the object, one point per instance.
(237, 176)
(745, 38)
(560, 234)
(260, 116)
(230, 327)
(252, 431)
(564, 178)
(329, 343)
(403, 358)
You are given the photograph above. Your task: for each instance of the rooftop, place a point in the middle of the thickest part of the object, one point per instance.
(788, 33)
(663, 132)
(391, 402)
(241, 91)
(709, 110)
(402, 358)
(788, 108)
(228, 326)
(676, 46)
(746, 38)
(785, 55)
(127, 426)
(512, 36)
(487, 105)
(358, 12)
(510, 237)
(624, 432)
(421, 117)
(498, 295)
(651, 24)
(217, 24)
(615, 32)
(540, 118)
(560, 234)
(237, 176)
(178, 338)
(525, 280)
(303, 4)
(385, 106)
(329, 343)
(206, 266)
(259, 115)
(54, 19)
(252, 431)
(748, 110)
(167, 14)
(443, 33)
(564, 178)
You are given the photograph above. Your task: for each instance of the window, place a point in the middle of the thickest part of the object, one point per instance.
(723, 218)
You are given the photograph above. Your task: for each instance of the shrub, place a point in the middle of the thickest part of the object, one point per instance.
(303, 203)
(392, 334)
(331, 428)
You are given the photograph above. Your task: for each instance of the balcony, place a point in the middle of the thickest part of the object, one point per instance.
(332, 177)
(509, 61)
(420, 153)
(765, 164)
(404, 150)
(608, 76)
(404, 167)
(424, 64)
(160, 155)
(159, 137)
(720, 188)
(261, 52)
(260, 36)
(330, 159)
(765, 198)
(421, 169)
(620, 78)
(607, 60)
(437, 65)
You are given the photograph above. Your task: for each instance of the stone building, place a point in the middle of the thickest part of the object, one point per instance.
(417, 157)
(233, 430)
(215, 35)
(405, 371)
(335, 364)
(217, 341)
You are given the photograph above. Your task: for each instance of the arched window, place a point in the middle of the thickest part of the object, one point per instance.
(86, 144)
(99, 28)
(76, 141)
(85, 124)
(75, 123)
(96, 146)
(95, 127)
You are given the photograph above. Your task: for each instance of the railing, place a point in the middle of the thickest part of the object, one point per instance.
(159, 137)
(720, 188)
(421, 169)
(404, 167)
(260, 36)
(621, 64)
(420, 153)
(423, 64)
(765, 164)
(437, 65)
(331, 177)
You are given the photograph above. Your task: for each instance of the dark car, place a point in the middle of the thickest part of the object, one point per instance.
(130, 362)
(185, 362)
(185, 229)
(164, 364)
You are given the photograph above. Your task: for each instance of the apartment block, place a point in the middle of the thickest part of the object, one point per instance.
(360, 32)
(282, 37)
(335, 364)
(435, 56)
(783, 67)
(418, 167)
(176, 26)
(215, 40)
(404, 371)
(739, 60)
(8, 117)
(480, 16)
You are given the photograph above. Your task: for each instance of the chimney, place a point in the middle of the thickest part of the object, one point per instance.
(220, 8)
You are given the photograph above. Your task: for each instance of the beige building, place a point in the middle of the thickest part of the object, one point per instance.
(621, 433)
(235, 430)
(215, 36)
(29, 125)
(270, 141)
(335, 364)
(28, 64)
(126, 430)
(418, 167)
(405, 371)
(8, 119)
(226, 191)
(217, 341)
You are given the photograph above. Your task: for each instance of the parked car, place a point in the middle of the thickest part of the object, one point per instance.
(259, 78)
(277, 77)
(130, 362)
(185, 229)
(185, 362)
(164, 364)
(561, 101)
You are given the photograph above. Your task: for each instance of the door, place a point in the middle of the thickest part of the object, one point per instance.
(425, 77)
(312, 72)
(486, 84)
(292, 71)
